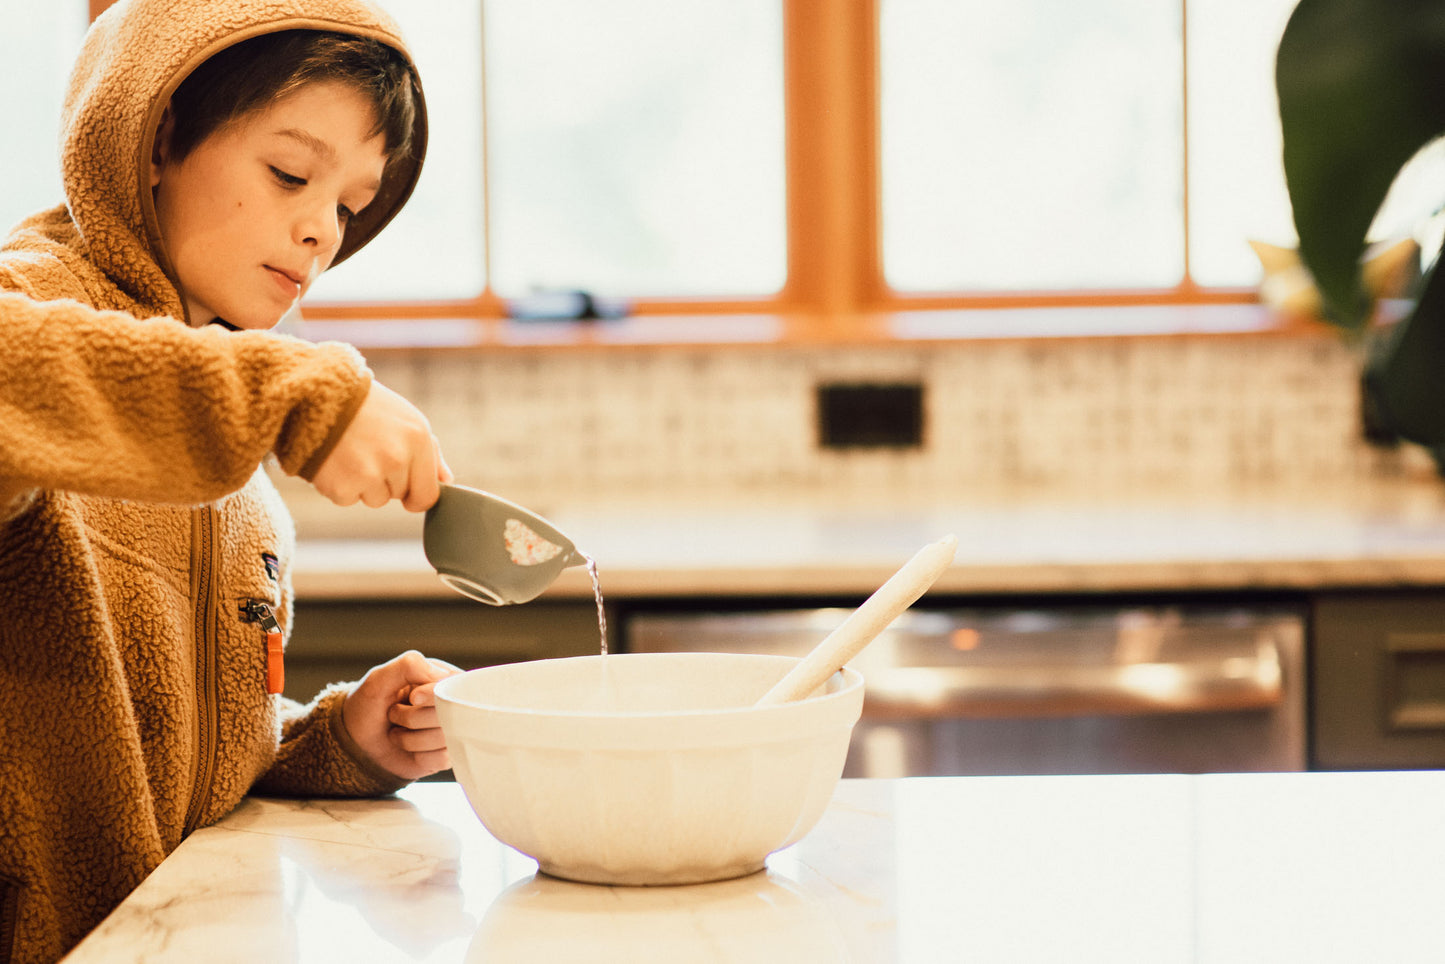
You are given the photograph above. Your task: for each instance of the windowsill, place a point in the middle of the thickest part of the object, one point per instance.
(913, 327)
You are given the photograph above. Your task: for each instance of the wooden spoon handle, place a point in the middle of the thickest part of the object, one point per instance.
(902, 590)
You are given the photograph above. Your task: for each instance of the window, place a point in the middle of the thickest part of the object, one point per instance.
(821, 157)
(435, 248)
(636, 146)
(1031, 144)
(38, 44)
(632, 148)
(1236, 177)
(843, 155)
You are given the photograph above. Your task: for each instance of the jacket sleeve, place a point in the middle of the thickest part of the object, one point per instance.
(317, 757)
(99, 403)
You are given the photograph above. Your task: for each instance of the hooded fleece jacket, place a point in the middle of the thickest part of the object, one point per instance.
(135, 523)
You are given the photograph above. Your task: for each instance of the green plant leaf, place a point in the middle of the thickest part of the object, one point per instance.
(1361, 87)
(1403, 381)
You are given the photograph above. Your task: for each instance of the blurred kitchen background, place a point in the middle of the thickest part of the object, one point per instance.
(885, 265)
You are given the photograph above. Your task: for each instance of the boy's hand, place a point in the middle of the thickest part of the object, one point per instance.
(392, 715)
(387, 452)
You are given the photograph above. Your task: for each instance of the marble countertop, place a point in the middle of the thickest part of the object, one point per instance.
(1380, 535)
(1231, 869)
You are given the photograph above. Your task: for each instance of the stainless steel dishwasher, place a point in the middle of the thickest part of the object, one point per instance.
(1076, 689)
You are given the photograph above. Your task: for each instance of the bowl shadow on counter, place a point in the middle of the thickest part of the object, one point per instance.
(763, 916)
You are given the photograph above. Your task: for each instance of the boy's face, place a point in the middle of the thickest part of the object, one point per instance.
(257, 210)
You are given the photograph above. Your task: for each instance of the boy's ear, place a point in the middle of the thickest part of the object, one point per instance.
(161, 147)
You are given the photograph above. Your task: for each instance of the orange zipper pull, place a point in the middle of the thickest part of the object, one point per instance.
(275, 654)
(275, 664)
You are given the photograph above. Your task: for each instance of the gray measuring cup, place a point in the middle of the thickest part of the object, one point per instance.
(493, 550)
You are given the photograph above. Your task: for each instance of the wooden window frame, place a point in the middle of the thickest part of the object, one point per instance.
(833, 219)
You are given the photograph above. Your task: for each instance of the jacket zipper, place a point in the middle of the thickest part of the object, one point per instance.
(9, 915)
(203, 532)
(256, 611)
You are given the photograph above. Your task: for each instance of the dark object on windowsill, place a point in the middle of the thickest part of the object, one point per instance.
(1374, 423)
(1377, 427)
(565, 305)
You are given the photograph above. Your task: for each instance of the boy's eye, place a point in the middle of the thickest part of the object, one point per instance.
(289, 180)
(344, 213)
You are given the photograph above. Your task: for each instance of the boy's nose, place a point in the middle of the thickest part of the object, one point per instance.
(320, 228)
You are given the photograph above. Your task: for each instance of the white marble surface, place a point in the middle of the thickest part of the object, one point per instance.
(1226, 869)
(1380, 534)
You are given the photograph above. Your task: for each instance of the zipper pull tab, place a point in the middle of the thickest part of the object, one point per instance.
(259, 612)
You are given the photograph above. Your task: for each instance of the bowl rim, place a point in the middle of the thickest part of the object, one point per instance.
(852, 681)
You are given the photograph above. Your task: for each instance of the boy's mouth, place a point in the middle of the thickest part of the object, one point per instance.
(286, 279)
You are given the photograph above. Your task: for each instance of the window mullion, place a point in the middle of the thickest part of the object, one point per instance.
(832, 122)
(1186, 283)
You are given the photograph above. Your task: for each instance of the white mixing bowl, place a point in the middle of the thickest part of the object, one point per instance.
(646, 768)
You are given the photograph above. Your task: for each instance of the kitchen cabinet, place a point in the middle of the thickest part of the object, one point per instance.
(1368, 694)
(1373, 680)
(1365, 565)
(340, 639)
(1377, 663)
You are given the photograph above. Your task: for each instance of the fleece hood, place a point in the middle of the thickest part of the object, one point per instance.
(134, 57)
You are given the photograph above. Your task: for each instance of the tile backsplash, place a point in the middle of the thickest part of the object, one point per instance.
(574, 427)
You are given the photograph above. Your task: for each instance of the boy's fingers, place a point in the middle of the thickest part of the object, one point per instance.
(431, 669)
(413, 717)
(442, 670)
(418, 741)
(423, 482)
(415, 705)
(433, 760)
(416, 670)
(442, 666)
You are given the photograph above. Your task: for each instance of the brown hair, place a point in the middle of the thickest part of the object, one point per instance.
(255, 73)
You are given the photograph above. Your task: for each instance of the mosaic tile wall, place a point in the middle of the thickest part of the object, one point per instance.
(588, 427)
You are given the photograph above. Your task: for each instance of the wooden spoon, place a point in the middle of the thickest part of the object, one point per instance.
(864, 624)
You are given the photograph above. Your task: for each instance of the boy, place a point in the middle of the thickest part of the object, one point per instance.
(217, 157)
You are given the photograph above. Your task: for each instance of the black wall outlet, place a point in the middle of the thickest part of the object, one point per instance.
(870, 415)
